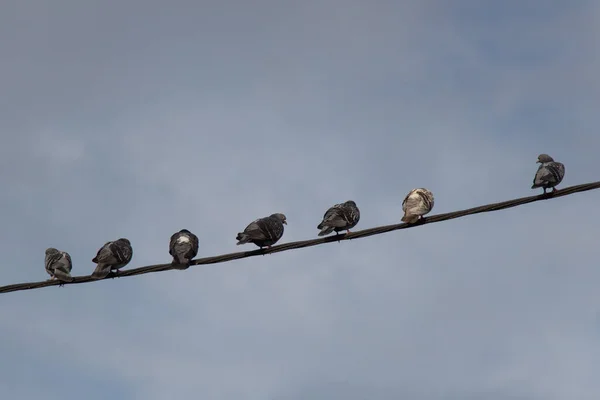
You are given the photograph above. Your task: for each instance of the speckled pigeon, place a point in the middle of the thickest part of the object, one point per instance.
(112, 256)
(263, 231)
(549, 174)
(183, 247)
(417, 203)
(339, 217)
(58, 265)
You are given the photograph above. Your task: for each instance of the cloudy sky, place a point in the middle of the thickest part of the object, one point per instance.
(136, 118)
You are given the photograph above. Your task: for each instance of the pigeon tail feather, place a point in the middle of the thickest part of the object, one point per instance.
(101, 271)
(63, 276)
(325, 230)
(410, 219)
(180, 263)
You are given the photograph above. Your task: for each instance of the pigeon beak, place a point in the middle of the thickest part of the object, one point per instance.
(538, 161)
(285, 222)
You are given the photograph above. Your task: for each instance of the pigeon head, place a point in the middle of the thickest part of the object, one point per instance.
(51, 250)
(350, 203)
(123, 240)
(544, 158)
(185, 231)
(280, 217)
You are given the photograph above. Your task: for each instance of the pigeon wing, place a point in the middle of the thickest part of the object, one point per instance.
(194, 246)
(173, 243)
(273, 229)
(557, 170)
(351, 216)
(407, 202)
(257, 230)
(105, 255)
(418, 201)
(51, 260)
(66, 265)
(541, 175)
(334, 217)
(121, 252)
(62, 269)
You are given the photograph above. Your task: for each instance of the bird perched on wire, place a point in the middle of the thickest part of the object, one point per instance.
(112, 256)
(58, 265)
(339, 217)
(183, 247)
(549, 174)
(416, 204)
(263, 231)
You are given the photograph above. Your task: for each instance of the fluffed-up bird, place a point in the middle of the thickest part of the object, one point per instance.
(416, 204)
(549, 174)
(263, 231)
(183, 246)
(58, 265)
(112, 256)
(340, 217)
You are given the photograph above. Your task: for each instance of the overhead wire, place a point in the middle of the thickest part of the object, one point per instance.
(314, 242)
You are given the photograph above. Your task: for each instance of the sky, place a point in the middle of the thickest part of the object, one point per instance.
(136, 119)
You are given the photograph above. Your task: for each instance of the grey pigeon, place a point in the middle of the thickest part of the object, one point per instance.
(416, 204)
(112, 256)
(58, 265)
(183, 247)
(263, 231)
(549, 174)
(340, 217)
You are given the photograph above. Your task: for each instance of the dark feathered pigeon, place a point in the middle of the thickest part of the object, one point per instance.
(549, 174)
(112, 256)
(183, 247)
(58, 265)
(264, 231)
(417, 203)
(340, 217)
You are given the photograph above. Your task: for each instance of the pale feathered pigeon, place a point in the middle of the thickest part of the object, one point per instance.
(416, 204)
(264, 231)
(549, 174)
(183, 247)
(58, 265)
(112, 256)
(340, 217)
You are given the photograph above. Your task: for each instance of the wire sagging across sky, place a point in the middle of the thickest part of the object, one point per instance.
(314, 242)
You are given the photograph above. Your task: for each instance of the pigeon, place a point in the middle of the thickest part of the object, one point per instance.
(58, 265)
(263, 231)
(549, 174)
(339, 217)
(183, 247)
(416, 204)
(113, 255)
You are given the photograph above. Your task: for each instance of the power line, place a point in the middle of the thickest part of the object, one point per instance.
(314, 242)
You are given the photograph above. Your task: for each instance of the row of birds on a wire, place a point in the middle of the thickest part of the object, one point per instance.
(265, 232)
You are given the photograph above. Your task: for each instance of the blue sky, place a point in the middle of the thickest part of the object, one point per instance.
(137, 119)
